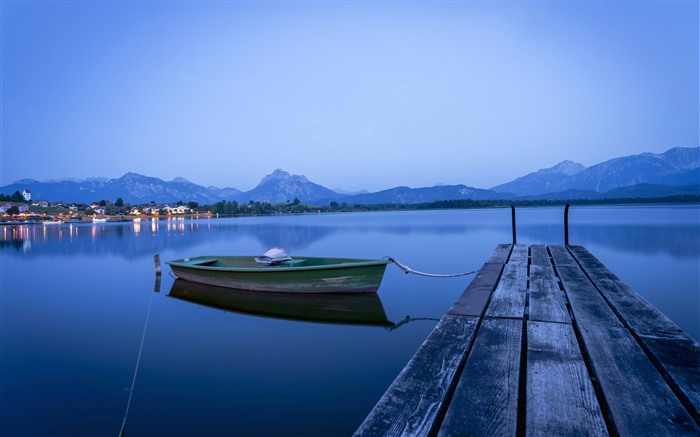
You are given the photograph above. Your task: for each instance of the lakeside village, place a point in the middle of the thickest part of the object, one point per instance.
(20, 208)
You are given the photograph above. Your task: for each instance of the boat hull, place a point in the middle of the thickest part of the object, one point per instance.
(307, 275)
(344, 308)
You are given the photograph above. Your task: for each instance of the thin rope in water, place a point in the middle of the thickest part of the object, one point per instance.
(136, 370)
(408, 320)
(408, 270)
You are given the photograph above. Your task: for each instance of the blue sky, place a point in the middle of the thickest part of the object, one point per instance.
(354, 95)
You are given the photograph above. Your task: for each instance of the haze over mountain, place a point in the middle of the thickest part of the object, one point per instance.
(674, 172)
(280, 186)
(677, 166)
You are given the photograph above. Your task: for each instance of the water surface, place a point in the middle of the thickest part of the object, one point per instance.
(76, 298)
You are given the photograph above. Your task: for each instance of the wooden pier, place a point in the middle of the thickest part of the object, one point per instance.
(546, 341)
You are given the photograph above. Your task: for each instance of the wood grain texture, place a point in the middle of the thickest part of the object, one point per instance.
(508, 300)
(560, 398)
(673, 351)
(411, 404)
(519, 253)
(500, 254)
(539, 255)
(639, 314)
(680, 358)
(587, 305)
(644, 373)
(561, 256)
(639, 400)
(485, 402)
(473, 300)
(547, 301)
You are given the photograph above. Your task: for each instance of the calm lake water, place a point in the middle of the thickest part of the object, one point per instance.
(75, 300)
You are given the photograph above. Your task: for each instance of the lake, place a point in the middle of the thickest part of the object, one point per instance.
(80, 314)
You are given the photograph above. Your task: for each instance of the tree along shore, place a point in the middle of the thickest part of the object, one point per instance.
(235, 209)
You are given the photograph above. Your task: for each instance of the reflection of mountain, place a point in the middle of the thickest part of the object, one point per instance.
(131, 240)
(295, 237)
(679, 241)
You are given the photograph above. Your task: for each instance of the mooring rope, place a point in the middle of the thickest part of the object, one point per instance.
(408, 320)
(408, 270)
(136, 370)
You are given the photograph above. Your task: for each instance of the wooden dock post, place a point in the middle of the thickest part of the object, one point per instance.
(512, 219)
(156, 262)
(566, 225)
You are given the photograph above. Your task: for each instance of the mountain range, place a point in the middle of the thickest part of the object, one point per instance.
(678, 166)
(675, 172)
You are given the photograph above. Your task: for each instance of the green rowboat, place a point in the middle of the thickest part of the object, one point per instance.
(298, 275)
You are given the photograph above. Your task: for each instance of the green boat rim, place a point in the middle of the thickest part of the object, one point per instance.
(342, 263)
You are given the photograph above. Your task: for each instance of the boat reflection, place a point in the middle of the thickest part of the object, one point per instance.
(351, 308)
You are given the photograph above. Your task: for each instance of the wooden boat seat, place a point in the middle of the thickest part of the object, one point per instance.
(206, 262)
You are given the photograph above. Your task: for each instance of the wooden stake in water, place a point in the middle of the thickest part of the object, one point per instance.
(156, 261)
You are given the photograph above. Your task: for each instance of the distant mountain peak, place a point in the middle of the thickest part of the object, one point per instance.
(25, 181)
(673, 171)
(280, 186)
(566, 167)
(676, 167)
(131, 175)
(281, 175)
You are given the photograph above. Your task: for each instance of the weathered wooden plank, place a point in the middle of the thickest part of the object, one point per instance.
(539, 255)
(508, 300)
(640, 315)
(561, 256)
(674, 351)
(411, 404)
(500, 254)
(560, 399)
(519, 253)
(638, 399)
(473, 300)
(680, 359)
(485, 401)
(547, 302)
(588, 306)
